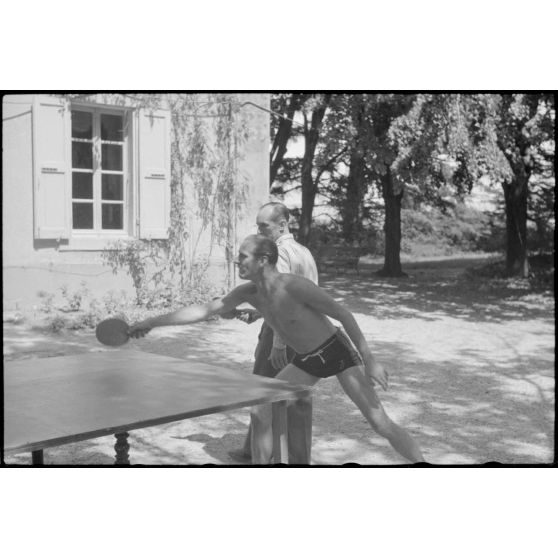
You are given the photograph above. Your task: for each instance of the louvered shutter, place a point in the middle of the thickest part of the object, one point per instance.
(51, 159)
(154, 173)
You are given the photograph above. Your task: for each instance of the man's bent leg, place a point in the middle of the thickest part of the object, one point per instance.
(299, 438)
(262, 367)
(261, 434)
(299, 415)
(361, 391)
(262, 442)
(299, 428)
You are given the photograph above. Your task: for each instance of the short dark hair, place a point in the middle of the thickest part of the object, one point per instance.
(280, 210)
(263, 246)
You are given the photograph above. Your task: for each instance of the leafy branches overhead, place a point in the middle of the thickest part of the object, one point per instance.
(434, 146)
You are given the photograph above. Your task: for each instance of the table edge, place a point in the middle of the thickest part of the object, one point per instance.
(291, 394)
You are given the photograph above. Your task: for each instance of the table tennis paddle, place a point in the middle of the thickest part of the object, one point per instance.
(112, 332)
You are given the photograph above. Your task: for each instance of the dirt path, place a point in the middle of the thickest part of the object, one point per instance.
(472, 376)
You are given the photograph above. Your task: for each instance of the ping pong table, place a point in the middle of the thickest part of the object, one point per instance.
(60, 400)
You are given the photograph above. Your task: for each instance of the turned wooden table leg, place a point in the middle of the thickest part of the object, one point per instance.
(122, 449)
(37, 457)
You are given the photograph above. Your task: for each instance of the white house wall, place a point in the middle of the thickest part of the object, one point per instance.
(251, 166)
(31, 265)
(17, 180)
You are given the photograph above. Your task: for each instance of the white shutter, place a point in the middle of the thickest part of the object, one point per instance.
(51, 157)
(154, 173)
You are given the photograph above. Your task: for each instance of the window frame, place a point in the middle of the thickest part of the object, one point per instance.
(97, 238)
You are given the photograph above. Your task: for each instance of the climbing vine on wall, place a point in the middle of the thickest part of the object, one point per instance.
(207, 137)
(208, 132)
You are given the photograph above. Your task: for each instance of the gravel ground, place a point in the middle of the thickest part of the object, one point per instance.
(472, 376)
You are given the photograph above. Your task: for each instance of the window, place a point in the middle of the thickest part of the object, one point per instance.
(98, 166)
(100, 172)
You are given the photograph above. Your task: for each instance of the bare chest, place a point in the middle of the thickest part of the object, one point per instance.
(280, 310)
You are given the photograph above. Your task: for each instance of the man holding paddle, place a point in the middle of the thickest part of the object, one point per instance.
(299, 311)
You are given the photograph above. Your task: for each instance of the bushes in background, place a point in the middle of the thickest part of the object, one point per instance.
(427, 231)
(462, 229)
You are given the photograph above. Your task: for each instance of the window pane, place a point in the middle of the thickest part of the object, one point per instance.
(82, 185)
(82, 155)
(82, 215)
(111, 157)
(82, 124)
(112, 187)
(112, 216)
(111, 127)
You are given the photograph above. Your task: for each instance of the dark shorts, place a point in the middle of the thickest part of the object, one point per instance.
(330, 358)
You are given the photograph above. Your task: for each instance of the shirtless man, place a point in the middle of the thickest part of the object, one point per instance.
(298, 311)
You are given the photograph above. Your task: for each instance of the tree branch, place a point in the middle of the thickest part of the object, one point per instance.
(330, 162)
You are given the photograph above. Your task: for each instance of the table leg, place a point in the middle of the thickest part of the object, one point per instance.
(279, 428)
(37, 457)
(122, 449)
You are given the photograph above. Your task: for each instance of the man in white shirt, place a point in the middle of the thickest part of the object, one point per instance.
(272, 354)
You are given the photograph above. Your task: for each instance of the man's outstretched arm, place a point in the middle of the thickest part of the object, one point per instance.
(193, 313)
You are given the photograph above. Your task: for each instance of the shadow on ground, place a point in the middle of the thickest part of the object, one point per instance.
(429, 291)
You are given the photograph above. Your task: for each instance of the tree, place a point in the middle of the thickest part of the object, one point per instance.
(380, 135)
(348, 141)
(384, 110)
(525, 122)
(371, 149)
(313, 111)
(441, 145)
(284, 108)
(347, 132)
(540, 209)
(508, 138)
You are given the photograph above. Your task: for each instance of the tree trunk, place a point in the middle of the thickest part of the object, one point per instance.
(309, 188)
(351, 218)
(515, 195)
(281, 139)
(392, 228)
(356, 187)
(308, 197)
